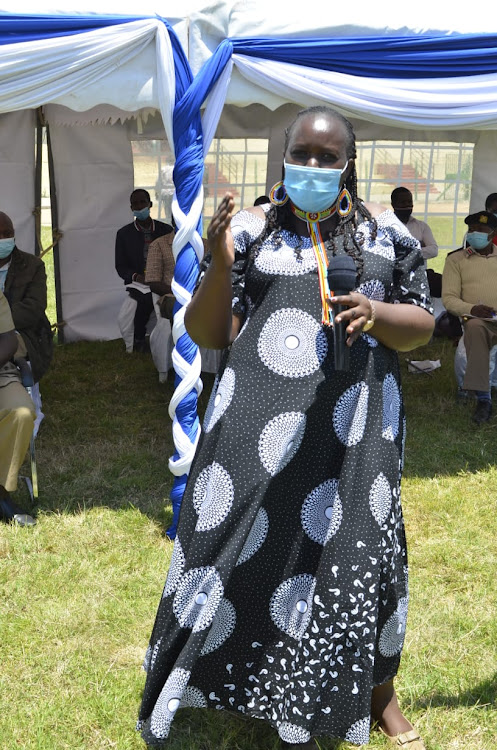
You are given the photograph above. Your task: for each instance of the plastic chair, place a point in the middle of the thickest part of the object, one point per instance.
(126, 322)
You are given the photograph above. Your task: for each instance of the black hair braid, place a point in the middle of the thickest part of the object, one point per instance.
(345, 236)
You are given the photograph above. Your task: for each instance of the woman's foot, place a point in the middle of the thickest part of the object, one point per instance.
(408, 740)
(386, 712)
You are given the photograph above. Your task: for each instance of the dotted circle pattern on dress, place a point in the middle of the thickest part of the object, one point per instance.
(292, 343)
(280, 440)
(380, 498)
(283, 261)
(373, 289)
(391, 408)
(358, 733)
(213, 495)
(221, 399)
(222, 627)
(193, 697)
(176, 568)
(256, 536)
(168, 702)
(350, 414)
(393, 632)
(321, 513)
(197, 598)
(293, 734)
(291, 605)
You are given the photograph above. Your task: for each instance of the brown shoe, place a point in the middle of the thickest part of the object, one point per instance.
(409, 740)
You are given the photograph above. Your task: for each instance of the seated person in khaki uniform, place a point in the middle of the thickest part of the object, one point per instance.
(469, 290)
(17, 416)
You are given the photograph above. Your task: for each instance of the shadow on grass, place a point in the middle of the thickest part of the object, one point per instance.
(481, 696)
(107, 435)
(221, 730)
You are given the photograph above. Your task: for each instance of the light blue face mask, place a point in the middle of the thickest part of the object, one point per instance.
(142, 214)
(6, 247)
(312, 188)
(478, 240)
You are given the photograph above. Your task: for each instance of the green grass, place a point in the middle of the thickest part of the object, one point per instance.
(78, 593)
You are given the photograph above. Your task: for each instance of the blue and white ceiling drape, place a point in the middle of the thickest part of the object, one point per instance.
(420, 81)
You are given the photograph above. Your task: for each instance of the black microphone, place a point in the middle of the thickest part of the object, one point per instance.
(342, 277)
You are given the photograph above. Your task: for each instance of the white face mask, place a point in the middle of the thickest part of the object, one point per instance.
(6, 247)
(312, 188)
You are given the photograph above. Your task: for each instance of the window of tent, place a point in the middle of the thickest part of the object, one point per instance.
(438, 175)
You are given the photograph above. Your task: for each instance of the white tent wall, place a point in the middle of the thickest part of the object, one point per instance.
(17, 165)
(93, 167)
(484, 179)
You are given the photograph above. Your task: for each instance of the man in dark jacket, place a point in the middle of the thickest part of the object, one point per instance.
(24, 284)
(132, 242)
(23, 280)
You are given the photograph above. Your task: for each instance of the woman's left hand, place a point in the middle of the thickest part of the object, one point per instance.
(356, 316)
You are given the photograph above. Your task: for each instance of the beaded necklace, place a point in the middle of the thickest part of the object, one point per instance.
(342, 206)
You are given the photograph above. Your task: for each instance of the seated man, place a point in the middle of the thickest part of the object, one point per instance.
(132, 243)
(17, 417)
(402, 206)
(469, 290)
(23, 281)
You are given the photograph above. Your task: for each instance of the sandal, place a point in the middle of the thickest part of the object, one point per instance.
(409, 740)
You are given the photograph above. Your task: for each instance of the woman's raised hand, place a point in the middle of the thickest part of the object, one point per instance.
(219, 237)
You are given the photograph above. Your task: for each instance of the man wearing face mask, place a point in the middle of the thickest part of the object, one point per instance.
(23, 281)
(469, 290)
(402, 206)
(132, 242)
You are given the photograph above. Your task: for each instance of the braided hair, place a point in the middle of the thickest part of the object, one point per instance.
(343, 237)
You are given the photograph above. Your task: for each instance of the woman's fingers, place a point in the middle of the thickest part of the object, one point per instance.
(356, 314)
(222, 217)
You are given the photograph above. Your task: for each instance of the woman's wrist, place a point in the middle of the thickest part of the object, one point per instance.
(371, 318)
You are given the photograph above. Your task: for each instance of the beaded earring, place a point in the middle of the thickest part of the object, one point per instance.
(278, 190)
(344, 203)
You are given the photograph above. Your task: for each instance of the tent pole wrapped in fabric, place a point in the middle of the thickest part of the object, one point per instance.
(58, 61)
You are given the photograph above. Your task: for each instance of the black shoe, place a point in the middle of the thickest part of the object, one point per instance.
(12, 513)
(483, 411)
(141, 345)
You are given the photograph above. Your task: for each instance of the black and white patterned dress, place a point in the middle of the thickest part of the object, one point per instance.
(286, 597)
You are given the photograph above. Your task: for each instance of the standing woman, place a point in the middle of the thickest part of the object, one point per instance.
(286, 598)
